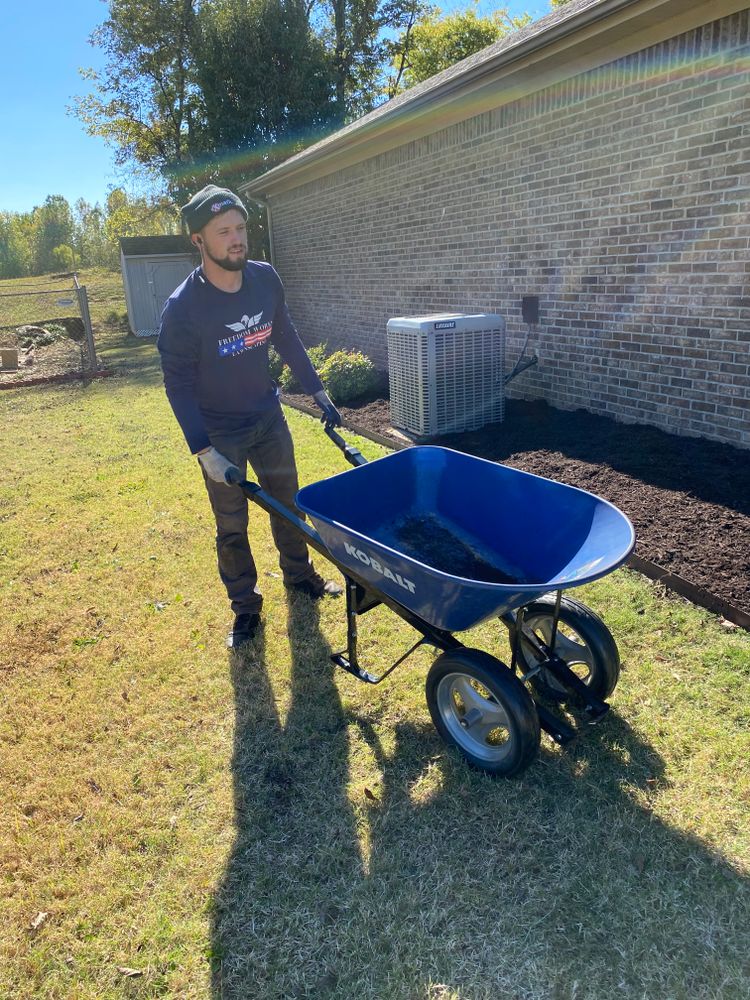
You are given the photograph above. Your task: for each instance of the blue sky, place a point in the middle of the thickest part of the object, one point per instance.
(45, 150)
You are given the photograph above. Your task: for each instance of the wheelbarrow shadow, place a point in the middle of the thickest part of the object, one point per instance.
(467, 885)
(564, 875)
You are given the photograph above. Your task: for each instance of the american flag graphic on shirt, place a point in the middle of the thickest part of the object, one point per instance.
(248, 335)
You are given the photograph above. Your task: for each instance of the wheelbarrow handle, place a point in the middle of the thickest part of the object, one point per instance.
(234, 477)
(353, 455)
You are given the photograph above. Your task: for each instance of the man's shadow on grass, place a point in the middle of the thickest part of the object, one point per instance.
(296, 848)
(491, 889)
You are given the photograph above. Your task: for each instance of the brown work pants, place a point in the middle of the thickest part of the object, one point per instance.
(268, 447)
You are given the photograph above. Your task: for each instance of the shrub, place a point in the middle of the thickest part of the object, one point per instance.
(348, 375)
(289, 382)
(275, 364)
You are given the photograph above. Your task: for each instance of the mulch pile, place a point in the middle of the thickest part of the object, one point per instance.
(688, 498)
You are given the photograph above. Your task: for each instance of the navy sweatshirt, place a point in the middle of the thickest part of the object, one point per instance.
(214, 352)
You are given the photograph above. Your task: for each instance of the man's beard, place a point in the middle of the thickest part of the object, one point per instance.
(228, 263)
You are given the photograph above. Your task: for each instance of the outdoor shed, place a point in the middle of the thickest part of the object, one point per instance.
(152, 267)
(597, 159)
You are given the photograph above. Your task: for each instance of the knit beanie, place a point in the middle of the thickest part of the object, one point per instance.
(206, 204)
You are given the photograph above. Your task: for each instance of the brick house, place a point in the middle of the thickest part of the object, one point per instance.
(598, 159)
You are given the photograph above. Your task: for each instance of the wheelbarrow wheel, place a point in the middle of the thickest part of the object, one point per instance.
(479, 706)
(582, 640)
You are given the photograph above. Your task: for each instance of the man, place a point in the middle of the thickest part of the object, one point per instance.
(216, 329)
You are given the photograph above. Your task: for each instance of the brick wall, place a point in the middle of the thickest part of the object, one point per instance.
(620, 197)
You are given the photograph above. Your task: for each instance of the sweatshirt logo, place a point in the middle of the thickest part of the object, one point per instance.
(247, 334)
(244, 324)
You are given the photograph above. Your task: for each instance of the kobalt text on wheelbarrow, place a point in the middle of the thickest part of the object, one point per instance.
(447, 540)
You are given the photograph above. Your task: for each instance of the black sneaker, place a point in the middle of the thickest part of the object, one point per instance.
(316, 587)
(244, 629)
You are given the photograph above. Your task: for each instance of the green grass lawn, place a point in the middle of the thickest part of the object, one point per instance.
(182, 822)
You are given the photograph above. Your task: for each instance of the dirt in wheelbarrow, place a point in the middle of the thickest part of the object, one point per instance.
(426, 539)
(688, 498)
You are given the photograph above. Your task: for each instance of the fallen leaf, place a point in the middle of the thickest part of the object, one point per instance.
(95, 788)
(38, 920)
(130, 973)
(78, 818)
(730, 626)
(439, 991)
(370, 795)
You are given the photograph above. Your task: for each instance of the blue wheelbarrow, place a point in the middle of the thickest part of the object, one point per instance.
(446, 541)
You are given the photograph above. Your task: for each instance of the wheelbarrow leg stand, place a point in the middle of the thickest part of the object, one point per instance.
(359, 600)
(356, 604)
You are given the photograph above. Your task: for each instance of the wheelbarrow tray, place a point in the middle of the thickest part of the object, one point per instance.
(396, 520)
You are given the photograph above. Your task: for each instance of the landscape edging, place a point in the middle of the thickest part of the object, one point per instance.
(52, 379)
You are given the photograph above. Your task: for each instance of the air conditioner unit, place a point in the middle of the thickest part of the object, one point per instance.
(446, 372)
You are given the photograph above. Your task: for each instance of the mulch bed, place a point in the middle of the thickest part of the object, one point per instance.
(688, 498)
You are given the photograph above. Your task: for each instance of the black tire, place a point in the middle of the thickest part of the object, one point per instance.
(583, 641)
(479, 706)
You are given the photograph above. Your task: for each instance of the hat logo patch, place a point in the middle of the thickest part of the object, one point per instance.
(218, 205)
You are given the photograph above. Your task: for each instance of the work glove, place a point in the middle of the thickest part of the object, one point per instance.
(215, 464)
(331, 416)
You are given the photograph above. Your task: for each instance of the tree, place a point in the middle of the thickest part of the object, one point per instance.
(129, 216)
(359, 36)
(16, 245)
(266, 81)
(91, 239)
(52, 227)
(267, 86)
(188, 83)
(63, 257)
(146, 102)
(220, 90)
(436, 42)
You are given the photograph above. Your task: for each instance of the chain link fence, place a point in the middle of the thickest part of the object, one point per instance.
(45, 333)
